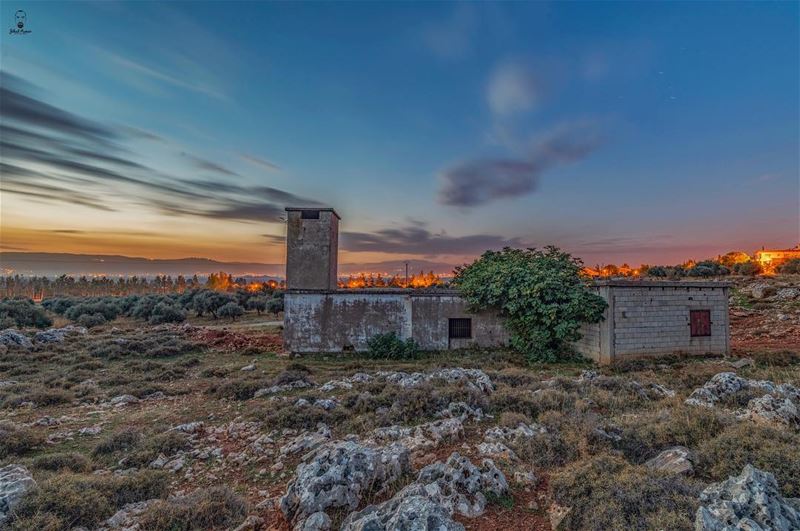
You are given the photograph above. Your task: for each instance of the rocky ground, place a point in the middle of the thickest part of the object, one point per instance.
(187, 427)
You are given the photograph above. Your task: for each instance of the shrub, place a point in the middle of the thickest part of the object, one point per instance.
(208, 301)
(91, 320)
(212, 508)
(18, 440)
(767, 448)
(540, 293)
(389, 346)
(605, 492)
(118, 442)
(59, 462)
(108, 310)
(259, 304)
(79, 500)
(22, 313)
(791, 267)
(275, 305)
(748, 269)
(231, 310)
(166, 313)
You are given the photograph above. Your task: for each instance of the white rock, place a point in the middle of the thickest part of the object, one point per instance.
(15, 481)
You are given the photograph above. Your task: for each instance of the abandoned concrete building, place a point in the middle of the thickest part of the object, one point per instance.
(643, 318)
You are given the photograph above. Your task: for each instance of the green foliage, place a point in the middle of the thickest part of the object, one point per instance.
(231, 310)
(390, 347)
(89, 320)
(259, 304)
(540, 293)
(166, 313)
(748, 269)
(211, 508)
(708, 268)
(275, 305)
(792, 267)
(22, 313)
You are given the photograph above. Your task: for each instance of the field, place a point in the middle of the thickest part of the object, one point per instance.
(203, 425)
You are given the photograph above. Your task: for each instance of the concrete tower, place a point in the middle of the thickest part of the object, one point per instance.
(312, 247)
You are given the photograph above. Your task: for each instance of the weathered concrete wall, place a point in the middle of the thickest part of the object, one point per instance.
(333, 321)
(312, 246)
(654, 320)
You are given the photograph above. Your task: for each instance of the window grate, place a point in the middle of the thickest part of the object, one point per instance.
(460, 328)
(700, 323)
(309, 214)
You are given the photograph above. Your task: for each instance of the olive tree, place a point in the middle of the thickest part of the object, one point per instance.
(540, 293)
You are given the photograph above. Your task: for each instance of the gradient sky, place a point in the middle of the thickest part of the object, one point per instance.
(623, 132)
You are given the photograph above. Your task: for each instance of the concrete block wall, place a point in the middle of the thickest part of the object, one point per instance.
(654, 320)
(333, 321)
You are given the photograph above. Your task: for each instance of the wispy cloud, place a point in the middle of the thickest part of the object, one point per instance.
(452, 38)
(418, 240)
(81, 162)
(513, 88)
(259, 162)
(477, 182)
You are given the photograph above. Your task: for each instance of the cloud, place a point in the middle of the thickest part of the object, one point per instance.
(208, 165)
(81, 162)
(452, 38)
(15, 105)
(481, 181)
(261, 163)
(417, 240)
(512, 88)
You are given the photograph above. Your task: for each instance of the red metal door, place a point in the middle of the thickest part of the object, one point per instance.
(700, 322)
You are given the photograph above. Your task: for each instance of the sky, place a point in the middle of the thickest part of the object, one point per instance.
(621, 132)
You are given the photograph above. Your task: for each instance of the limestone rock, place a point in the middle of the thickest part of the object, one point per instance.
(428, 504)
(771, 409)
(497, 450)
(123, 400)
(14, 338)
(338, 475)
(407, 512)
(307, 441)
(750, 501)
(785, 294)
(125, 518)
(424, 436)
(57, 335)
(317, 522)
(762, 290)
(725, 384)
(675, 460)
(461, 411)
(474, 378)
(297, 384)
(190, 427)
(15, 481)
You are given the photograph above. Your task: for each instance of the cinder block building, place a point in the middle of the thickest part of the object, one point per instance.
(643, 318)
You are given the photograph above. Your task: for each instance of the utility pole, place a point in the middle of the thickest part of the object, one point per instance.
(406, 283)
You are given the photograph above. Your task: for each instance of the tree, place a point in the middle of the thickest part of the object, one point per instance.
(540, 293)
(166, 313)
(259, 304)
(231, 310)
(748, 269)
(275, 305)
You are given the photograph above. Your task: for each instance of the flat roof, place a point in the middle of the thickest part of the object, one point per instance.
(320, 209)
(625, 283)
(377, 291)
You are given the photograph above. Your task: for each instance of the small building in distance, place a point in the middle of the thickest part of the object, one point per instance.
(770, 259)
(643, 318)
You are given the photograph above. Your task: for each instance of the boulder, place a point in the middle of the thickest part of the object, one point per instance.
(474, 378)
(772, 409)
(306, 442)
(123, 400)
(428, 504)
(407, 512)
(14, 338)
(425, 436)
(57, 335)
(762, 290)
(675, 460)
(786, 294)
(725, 384)
(749, 501)
(338, 475)
(297, 384)
(15, 481)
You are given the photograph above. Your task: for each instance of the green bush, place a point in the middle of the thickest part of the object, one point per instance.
(390, 347)
(91, 320)
(540, 293)
(18, 440)
(748, 269)
(22, 313)
(166, 313)
(58, 462)
(231, 310)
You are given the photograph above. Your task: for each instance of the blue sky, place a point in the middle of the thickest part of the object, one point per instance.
(638, 132)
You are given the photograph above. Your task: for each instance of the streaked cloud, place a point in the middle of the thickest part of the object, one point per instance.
(260, 163)
(418, 240)
(477, 182)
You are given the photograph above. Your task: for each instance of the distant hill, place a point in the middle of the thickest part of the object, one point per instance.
(54, 264)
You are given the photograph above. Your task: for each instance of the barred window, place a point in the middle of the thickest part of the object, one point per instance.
(460, 328)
